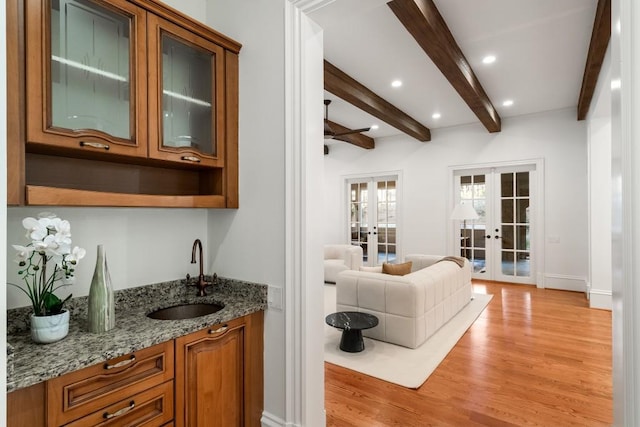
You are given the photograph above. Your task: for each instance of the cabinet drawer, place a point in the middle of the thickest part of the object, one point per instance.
(151, 408)
(91, 389)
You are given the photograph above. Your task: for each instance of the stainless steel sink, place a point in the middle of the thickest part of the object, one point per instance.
(185, 311)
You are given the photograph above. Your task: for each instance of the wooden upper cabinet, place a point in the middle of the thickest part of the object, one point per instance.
(86, 76)
(186, 96)
(119, 103)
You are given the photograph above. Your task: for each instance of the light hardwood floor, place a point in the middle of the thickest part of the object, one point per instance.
(535, 357)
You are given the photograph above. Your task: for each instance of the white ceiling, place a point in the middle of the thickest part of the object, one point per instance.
(540, 45)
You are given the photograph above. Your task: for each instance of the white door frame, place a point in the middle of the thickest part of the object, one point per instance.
(303, 382)
(538, 251)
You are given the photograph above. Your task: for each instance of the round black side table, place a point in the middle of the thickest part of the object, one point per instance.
(352, 323)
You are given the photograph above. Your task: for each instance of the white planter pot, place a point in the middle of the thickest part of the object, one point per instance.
(48, 329)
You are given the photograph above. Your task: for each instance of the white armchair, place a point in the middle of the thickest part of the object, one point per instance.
(339, 258)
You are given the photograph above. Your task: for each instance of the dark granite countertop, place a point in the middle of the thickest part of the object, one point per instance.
(31, 363)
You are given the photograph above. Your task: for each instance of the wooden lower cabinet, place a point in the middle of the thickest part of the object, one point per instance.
(213, 377)
(218, 382)
(26, 407)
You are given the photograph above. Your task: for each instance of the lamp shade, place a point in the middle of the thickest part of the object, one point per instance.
(463, 212)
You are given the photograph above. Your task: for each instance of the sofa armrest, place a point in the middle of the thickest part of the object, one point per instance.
(353, 257)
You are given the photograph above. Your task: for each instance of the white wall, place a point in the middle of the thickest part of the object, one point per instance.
(599, 154)
(249, 243)
(142, 246)
(625, 154)
(555, 136)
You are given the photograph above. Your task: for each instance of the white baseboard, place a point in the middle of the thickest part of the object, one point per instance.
(600, 298)
(565, 282)
(270, 420)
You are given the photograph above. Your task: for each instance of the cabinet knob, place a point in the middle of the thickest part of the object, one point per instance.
(94, 145)
(191, 159)
(108, 416)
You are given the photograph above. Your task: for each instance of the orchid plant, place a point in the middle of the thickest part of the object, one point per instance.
(47, 263)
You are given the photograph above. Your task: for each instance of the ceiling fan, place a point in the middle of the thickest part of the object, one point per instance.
(330, 133)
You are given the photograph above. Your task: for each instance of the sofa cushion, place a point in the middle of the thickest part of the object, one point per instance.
(397, 269)
(376, 269)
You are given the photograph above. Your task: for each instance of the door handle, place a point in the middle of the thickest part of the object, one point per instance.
(496, 237)
(488, 236)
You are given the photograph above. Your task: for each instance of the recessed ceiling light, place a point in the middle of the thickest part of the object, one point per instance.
(489, 59)
(396, 83)
(374, 127)
(436, 116)
(508, 103)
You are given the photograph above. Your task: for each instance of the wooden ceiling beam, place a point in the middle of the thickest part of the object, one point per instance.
(344, 86)
(600, 36)
(423, 21)
(362, 141)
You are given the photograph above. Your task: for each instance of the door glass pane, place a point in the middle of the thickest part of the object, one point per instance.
(522, 211)
(506, 185)
(479, 261)
(507, 210)
(358, 223)
(90, 80)
(522, 237)
(507, 237)
(508, 264)
(187, 96)
(472, 232)
(522, 184)
(523, 264)
(386, 220)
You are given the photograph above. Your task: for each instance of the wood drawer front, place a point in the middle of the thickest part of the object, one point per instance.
(151, 408)
(91, 389)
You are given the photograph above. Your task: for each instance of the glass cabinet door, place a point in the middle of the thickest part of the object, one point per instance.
(186, 96)
(90, 70)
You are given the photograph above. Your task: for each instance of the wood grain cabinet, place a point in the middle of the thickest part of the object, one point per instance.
(213, 377)
(137, 388)
(119, 103)
(219, 375)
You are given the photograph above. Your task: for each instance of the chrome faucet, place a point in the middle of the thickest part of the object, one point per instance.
(201, 284)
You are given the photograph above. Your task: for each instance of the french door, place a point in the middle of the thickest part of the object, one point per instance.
(500, 242)
(372, 210)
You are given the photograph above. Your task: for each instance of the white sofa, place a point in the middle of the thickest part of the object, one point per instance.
(409, 308)
(338, 258)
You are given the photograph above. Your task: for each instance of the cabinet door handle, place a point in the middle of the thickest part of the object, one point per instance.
(219, 330)
(94, 145)
(122, 363)
(191, 159)
(108, 416)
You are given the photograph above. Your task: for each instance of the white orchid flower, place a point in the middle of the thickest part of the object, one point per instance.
(63, 227)
(24, 252)
(76, 254)
(36, 229)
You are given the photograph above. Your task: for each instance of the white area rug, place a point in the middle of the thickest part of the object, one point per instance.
(396, 364)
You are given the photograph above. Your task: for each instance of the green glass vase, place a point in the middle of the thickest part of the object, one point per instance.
(101, 311)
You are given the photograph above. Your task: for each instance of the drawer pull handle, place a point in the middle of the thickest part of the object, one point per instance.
(108, 416)
(94, 145)
(219, 330)
(191, 159)
(121, 364)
